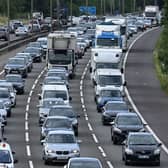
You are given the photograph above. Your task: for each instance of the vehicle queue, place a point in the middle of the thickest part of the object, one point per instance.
(57, 119)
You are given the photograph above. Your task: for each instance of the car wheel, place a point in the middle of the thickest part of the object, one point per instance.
(114, 140)
(157, 163)
(46, 162)
(126, 162)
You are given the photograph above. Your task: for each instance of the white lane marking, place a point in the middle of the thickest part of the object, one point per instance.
(102, 151)
(164, 147)
(109, 164)
(26, 126)
(31, 92)
(95, 138)
(26, 116)
(90, 127)
(2, 72)
(28, 100)
(31, 164)
(82, 100)
(28, 150)
(27, 107)
(26, 136)
(81, 82)
(80, 87)
(81, 94)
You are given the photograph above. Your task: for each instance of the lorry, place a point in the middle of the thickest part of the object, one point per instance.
(61, 51)
(106, 37)
(105, 58)
(118, 24)
(152, 13)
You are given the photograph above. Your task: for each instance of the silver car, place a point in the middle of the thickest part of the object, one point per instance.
(60, 146)
(84, 162)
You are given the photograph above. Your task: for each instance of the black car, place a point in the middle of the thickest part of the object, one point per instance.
(66, 111)
(17, 81)
(123, 124)
(141, 147)
(36, 53)
(111, 109)
(16, 66)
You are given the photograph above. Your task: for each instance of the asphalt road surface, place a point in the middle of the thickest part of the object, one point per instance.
(23, 132)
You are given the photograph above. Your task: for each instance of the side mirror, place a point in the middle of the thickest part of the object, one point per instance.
(39, 96)
(94, 82)
(43, 141)
(159, 144)
(90, 69)
(125, 83)
(112, 123)
(15, 160)
(70, 98)
(123, 143)
(13, 152)
(122, 70)
(38, 106)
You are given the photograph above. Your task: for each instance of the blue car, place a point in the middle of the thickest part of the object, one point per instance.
(108, 93)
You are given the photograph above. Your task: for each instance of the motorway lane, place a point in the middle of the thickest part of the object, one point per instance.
(113, 152)
(145, 90)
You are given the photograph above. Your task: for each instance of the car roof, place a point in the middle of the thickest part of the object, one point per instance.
(18, 58)
(6, 84)
(57, 117)
(61, 131)
(128, 114)
(4, 89)
(84, 158)
(116, 102)
(140, 133)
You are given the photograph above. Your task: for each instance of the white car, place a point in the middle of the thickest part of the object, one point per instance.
(22, 31)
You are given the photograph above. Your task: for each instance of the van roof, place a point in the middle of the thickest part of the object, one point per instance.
(106, 71)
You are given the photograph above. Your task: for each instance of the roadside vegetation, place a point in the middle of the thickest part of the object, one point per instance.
(161, 53)
(3, 20)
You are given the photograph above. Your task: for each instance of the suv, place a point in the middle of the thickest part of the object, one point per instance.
(4, 33)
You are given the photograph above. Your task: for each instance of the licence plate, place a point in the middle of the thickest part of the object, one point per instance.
(62, 157)
(143, 157)
(14, 71)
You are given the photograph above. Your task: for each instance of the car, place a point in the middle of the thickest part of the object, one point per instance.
(109, 93)
(43, 43)
(46, 105)
(36, 53)
(16, 66)
(60, 146)
(22, 31)
(14, 24)
(141, 147)
(29, 58)
(55, 123)
(34, 44)
(123, 124)
(3, 112)
(17, 81)
(12, 91)
(111, 109)
(67, 111)
(52, 80)
(6, 98)
(83, 162)
(133, 28)
(4, 33)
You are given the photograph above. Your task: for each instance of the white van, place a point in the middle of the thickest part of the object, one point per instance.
(108, 77)
(105, 58)
(55, 91)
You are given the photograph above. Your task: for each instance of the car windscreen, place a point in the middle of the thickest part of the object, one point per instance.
(116, 106)
(142, 140)
(16, 61)
(55, 94)
(68, 112)
(61, 138)
(13, 79)
(4, 94)
(129, 120)
(57, 123)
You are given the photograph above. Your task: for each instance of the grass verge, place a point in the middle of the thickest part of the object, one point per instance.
(163, 78)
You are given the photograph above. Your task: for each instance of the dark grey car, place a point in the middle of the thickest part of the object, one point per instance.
(17, 81)
(16, 66)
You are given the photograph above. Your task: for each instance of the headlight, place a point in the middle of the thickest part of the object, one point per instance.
(50, 151)
(75, 151)
(129, 151)
(156, 151)
(117, 130)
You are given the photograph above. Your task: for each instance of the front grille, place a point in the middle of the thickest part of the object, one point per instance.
(62, 152)
(143, 152)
